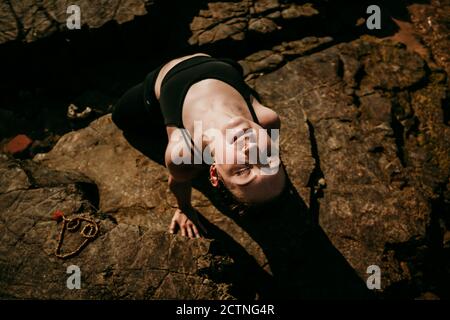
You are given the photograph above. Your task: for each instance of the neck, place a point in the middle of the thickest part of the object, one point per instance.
(216, 117)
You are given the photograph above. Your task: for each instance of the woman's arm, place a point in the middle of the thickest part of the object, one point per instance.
(180, 176)
(182, 191)
(185, 217)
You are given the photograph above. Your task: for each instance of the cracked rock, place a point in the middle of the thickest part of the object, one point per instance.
(31, 20)
(125, 261)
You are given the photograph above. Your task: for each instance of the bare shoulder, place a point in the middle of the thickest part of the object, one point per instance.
(169, 65)
(268, 118)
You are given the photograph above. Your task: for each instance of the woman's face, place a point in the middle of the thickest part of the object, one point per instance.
(248, 161)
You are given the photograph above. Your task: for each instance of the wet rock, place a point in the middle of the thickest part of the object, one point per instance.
(138, 186)
(363, 141)
(220, 21)
(430, 20)
(261, 61)
(296, 11)
(86, 151)
(267, 60)
(368, 130)
(303, 46)
(126, 261)
(261, 6)
(407, 35)
(375, 195)
(385, 71)
(31, 20)
(262, 25)
(237, 20)
(13, 177)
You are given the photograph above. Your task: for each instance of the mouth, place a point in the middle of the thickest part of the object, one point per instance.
(237, 134)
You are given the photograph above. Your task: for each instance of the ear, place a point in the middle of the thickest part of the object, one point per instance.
(213, 176)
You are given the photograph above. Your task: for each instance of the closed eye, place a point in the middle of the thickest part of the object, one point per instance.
(244, 170)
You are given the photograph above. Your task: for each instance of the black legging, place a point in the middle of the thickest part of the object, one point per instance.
(131, 113)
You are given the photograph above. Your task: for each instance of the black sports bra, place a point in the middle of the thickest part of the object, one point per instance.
(183, 75)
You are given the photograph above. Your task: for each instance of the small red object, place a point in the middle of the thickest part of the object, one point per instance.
(18, 144)
(57, 215)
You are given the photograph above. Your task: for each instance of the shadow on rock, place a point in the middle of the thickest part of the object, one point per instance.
(301, 260)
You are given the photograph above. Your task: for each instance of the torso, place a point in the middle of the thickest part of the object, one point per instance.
(203, 97)
(207, 97)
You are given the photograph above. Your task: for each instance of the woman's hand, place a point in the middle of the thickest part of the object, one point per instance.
(187, 221)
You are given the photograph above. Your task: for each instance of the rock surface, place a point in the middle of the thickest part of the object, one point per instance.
(125, 261)
(265, 61)
(431, 21)
(371, 109)
(358, 150)
(235, 20)
(365, 140)
(136, 193)
(31, 20)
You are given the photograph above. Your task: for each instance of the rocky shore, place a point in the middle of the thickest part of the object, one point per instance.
(365, 139)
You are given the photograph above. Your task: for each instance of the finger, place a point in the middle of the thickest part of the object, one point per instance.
(197, 234)
(172, 226)
(189, 231)
(183, 231)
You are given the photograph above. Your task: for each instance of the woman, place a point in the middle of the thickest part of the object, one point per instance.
(199, 90)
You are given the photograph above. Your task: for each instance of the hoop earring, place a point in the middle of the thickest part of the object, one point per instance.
(211, 178)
